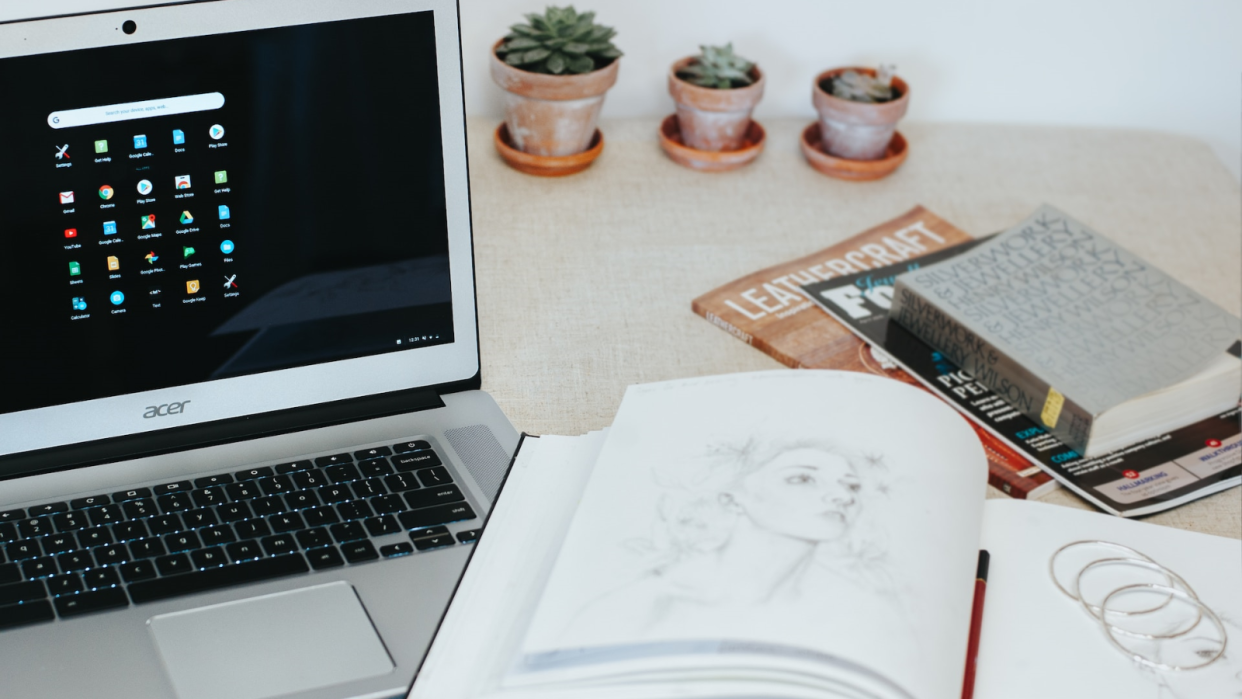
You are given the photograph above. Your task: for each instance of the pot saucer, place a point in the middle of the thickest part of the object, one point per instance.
(546, 165)
(845, 169)
(710, 161)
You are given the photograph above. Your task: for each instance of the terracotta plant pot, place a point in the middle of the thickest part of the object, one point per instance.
(857, 130)
(712, 119)
(552, 115)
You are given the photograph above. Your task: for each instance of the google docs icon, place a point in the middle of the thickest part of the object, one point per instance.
(224, 212)
(178, 137)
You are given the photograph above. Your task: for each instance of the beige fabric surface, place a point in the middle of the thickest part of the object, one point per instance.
(584, 282)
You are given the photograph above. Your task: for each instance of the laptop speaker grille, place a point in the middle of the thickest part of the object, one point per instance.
(485, 459)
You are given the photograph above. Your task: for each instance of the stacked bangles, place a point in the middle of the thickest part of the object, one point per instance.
(1147, 611)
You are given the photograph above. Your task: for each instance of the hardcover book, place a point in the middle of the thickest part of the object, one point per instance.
(1097, 346)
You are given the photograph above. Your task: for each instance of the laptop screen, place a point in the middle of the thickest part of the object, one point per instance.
(195, 209)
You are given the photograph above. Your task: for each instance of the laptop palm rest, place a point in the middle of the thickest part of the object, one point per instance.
(271, 645)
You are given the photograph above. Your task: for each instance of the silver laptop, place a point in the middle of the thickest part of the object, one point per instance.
(243, 452)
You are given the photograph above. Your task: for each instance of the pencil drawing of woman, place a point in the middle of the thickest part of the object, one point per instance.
(743, 529)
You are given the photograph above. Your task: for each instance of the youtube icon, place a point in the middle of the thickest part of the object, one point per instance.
(71, 232)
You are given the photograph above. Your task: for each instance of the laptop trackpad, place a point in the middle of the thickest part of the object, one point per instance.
(271, 645)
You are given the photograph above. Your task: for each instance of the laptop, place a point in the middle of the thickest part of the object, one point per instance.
(243, 452)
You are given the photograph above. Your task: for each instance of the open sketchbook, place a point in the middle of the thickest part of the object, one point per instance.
(789, 534)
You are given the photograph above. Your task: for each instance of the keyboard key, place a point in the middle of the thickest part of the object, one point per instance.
(138, 509)
(12, 515)
(428, 531)
(10, 573)
(234, 512)
(39, 568)
(401, 482)
(197, 519)
(294, 467)
(432, 477)
(215, 578)
(417, 459)
(434, 542)
(173, 565)
(335, 493)
(95, 601)
(374, 467)
(395, 550)
(433, 496)
(347, 531)
(388, 504)
(333, 460)
(359, 551)
(33, 528)
(269, 505)
(440, 514)
(182, 541)
(212, 481)
(245, 490)
(176, 502)
(379, 526)
(108, 514)
(177, 487)
(95, 536)
(416, 445)
(206, 497)
(21, 550)
(310, 479)
(58, 543)
(21, 592)
(137, 571)
(65, 584)
(314, 538)
(49, 509)
(75, 561)
(354, 510)
(164, 524)
(253, 473)
(324, 558)
(372, 453)
(101, 577)
(146, 548)
(214, 536)
(301, 500)
(70, 521)
(251, 529)
(90, 502)
(286, 522)
(8, 531)
(319, 516)
(112, 554)
(275, 485)
(24, 614)
(134, 494)
(244, 551)
(343, 473)
(281, 543)
(209, 558)
(368, 488)
(128, 531)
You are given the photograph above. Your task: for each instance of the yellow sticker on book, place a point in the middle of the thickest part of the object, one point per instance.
(1052, 407)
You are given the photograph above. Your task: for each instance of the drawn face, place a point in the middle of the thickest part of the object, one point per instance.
(803, 493)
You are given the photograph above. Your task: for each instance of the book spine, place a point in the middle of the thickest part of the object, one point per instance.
(987, 364)
(757, 342)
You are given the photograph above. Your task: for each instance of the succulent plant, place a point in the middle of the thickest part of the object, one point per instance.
(718, 67)
(860, 87)
(559, 41)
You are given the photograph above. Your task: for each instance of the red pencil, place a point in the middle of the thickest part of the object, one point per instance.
(976, 623)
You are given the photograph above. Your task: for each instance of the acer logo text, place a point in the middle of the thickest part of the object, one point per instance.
(165, 409)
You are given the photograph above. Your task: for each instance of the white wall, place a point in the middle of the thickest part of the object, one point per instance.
(1153, 64)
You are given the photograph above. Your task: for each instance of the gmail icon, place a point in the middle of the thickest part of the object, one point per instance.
(66, 197)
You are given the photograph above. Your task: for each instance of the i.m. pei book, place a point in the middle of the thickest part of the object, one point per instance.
(1096, 345)
(766, 309)
(804, 535)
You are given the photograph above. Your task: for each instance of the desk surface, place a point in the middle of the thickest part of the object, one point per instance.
(585, 282)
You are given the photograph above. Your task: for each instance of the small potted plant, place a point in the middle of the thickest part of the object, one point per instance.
(555, 70)
(858, 113)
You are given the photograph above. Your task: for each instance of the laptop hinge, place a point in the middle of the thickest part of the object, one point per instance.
(219, 432)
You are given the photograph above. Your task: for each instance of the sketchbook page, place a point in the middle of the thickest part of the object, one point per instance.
(485, 622)
(1038, 643)
(831, 512)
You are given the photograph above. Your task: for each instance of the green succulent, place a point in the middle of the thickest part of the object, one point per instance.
(860, 87)
(718, 67)
(559, 41)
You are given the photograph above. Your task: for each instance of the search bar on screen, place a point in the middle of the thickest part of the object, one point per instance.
(128, 111)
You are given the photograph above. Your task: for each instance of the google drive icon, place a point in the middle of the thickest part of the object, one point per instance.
(186, 218)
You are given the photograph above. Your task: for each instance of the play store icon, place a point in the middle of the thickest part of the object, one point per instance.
(186, 218)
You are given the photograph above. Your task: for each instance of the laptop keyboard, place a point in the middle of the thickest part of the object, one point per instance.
(107, 551)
